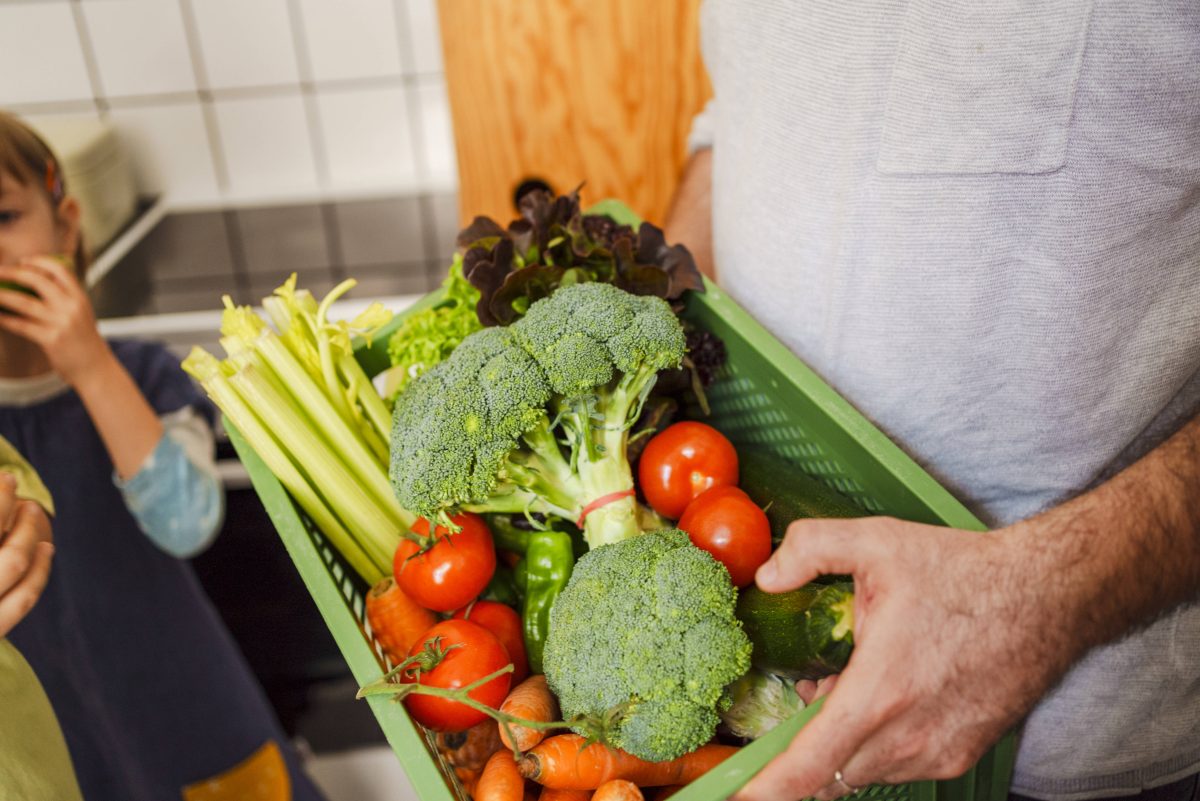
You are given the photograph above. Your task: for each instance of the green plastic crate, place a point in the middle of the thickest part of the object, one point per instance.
(765, 396)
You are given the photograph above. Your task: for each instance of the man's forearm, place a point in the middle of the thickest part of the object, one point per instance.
(690, 219)
(1124, 553)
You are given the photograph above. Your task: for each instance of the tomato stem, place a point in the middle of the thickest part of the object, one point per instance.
(384, 686)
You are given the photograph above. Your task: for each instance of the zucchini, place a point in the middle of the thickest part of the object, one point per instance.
(786, 492)
(807, 633)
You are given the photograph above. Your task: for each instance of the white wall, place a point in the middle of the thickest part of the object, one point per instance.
(243, 100)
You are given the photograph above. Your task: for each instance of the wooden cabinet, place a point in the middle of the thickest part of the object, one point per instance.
(568, 91)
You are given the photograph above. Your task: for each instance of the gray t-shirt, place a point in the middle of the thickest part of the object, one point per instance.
(980, 222)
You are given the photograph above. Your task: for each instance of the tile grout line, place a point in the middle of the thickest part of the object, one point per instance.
(225, 93)
(412, 97)
(88, 50)
(434, 269)
(316, 138)
(334, 253)
(312, 115)
(207, 108)
(237, 254)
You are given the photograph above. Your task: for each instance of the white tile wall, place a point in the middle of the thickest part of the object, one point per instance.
(245, 43)
(172, 149)
(140, 47)
(35, 64)
(441, 165)
(267, 146)
(423, 30)
(351, 38)
(235, 100)
(367, 137)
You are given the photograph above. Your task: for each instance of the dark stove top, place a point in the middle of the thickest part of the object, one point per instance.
(392, 245)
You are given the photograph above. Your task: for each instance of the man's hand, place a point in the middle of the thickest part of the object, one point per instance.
(949, 654)
(25, 552)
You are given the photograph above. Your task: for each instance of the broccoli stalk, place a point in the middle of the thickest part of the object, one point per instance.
(536, 478)
(535, 418)
(600, 432)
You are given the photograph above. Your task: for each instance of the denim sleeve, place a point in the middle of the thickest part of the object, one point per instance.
(176, 497)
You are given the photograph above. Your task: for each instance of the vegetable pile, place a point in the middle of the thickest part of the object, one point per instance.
(554, 620)
(535, 417)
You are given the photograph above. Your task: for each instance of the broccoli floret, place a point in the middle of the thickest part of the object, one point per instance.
(473, 433)
(536, 417)
(644, 637)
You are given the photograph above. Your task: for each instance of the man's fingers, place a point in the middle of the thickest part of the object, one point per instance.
(908, 749)
(815, 548)
(826, 743)
(20, 599)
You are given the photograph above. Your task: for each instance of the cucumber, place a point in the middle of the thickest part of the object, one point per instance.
(786, 493)
(807, 633)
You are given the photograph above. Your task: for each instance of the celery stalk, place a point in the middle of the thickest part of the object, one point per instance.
(361, 460)
(206, 369)
(372, 526)
(377, 414)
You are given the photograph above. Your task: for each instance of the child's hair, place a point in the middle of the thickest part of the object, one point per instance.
(25, 156)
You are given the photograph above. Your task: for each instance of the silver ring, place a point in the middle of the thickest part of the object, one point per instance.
(840, 779)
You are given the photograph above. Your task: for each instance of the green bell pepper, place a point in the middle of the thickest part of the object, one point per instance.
(549, 560)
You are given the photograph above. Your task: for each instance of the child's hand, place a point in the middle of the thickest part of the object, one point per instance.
(59, 319)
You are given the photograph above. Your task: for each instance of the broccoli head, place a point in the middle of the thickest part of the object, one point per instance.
(644, 637)
(536, 417)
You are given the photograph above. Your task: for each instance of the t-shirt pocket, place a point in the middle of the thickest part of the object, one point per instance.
(985, 86)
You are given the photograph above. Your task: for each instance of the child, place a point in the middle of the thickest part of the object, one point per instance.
(151, 692)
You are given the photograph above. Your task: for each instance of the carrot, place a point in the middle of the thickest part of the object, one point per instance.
(618, 790)
(563, 762)
(666, 792)
(468, 778)
(396, 619)
(500, 780)
(470, 748)
(551, 794)
(530, 700)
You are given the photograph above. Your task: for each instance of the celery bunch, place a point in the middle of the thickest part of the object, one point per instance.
(299, 397)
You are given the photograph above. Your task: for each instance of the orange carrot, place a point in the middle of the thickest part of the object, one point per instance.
(468, 778)
(470, 748)
(618, 790)
(530, 700)
(397, 620)
(500, 780)
(551, 794)
(562, 762)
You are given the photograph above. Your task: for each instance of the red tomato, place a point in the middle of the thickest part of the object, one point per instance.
(453, 571)
(480, 654)
(682, 461)
(731, 527)
(503, 621)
